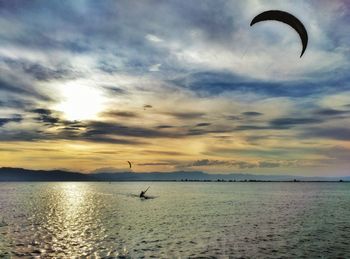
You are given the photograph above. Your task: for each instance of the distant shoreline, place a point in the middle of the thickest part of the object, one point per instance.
(8, 174)
(178, 181)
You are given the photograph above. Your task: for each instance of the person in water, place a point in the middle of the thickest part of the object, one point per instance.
(142, 194)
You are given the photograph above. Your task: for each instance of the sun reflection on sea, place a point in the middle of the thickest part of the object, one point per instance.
(74, 217)
(74, 196)
(63, 220)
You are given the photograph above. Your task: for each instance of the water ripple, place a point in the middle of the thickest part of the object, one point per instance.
(209, 220)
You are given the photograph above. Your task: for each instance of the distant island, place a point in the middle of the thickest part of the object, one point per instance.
(8, 174)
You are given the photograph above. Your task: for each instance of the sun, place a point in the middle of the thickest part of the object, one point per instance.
(80, 102)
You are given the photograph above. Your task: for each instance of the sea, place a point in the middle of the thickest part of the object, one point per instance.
(180, 220)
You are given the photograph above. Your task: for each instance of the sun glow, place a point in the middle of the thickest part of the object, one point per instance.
(80, 102)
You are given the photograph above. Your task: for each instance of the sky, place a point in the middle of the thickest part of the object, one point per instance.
(174, 85)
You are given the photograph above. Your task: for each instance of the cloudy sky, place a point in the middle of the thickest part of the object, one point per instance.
(174, 85)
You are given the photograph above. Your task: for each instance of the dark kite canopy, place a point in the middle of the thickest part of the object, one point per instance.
(286, 18)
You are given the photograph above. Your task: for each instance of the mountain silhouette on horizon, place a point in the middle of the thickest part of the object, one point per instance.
(21, 174)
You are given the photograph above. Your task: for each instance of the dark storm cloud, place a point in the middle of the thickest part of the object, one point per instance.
(4, 121)
(186, 115)
(331, 112)
(335, 133)
(95, 128)
(66, 133)
(23, 135)
(233, 117)
(284, 123)
(164, 127)
(252, 127)
(291, 122)
(214, 83)
(93, 131)
(203, 124)
(72, 128)
(126, 114)
(46, 116)
(42, 111)
(110, 140)
(252, 114)
(48, 119)
(201, 132)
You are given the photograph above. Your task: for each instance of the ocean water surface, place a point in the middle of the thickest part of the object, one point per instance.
(236, 220)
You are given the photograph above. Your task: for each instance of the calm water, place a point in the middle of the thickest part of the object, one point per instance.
(293, 220)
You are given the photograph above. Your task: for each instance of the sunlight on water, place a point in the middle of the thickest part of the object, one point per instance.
(66, 220)
(71, 209)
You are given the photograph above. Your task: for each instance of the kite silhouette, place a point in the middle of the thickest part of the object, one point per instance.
(287, 18)
(129, 163)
